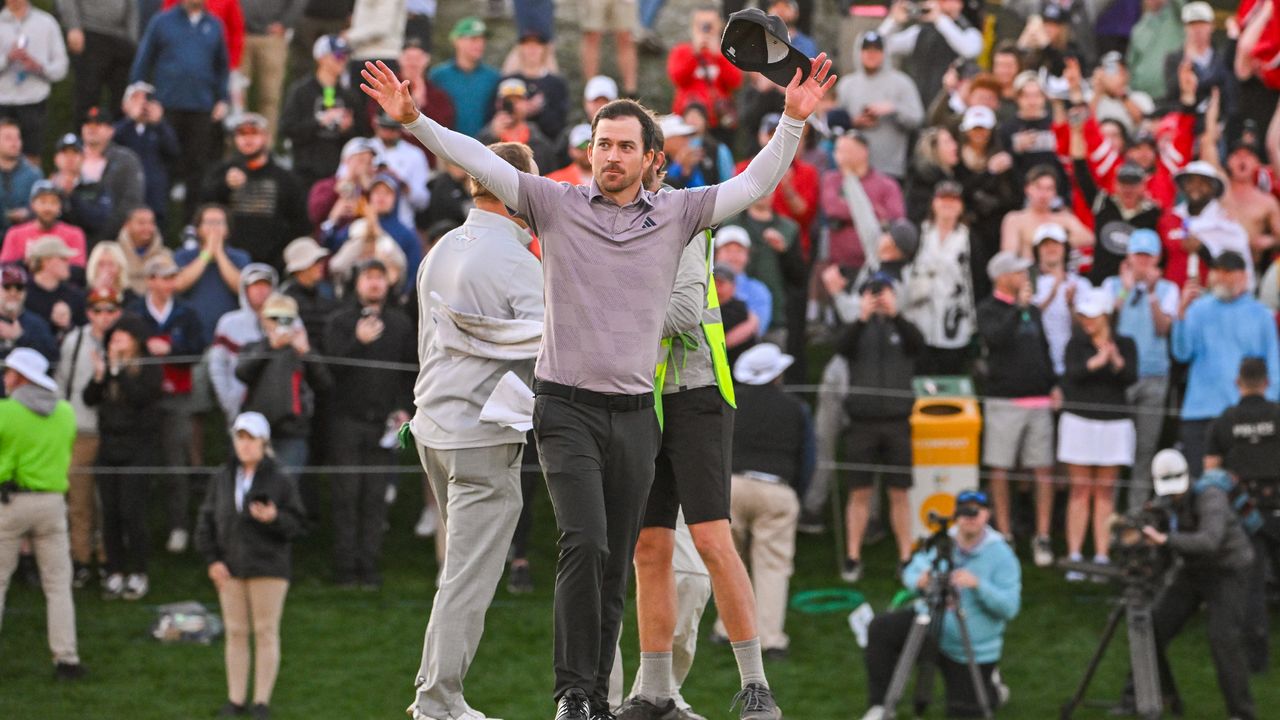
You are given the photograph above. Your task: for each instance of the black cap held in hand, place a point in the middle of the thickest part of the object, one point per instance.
(757, 42)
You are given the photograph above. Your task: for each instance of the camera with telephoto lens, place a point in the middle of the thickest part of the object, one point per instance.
(1133, 555)
(943, 546)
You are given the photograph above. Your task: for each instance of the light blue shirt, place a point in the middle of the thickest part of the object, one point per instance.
(757, 297)
(1134, 321)
(1214, 337)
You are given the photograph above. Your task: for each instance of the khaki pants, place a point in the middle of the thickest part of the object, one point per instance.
(478, 493)
(42, 516)
(82, 501)
(263, 64)
(764, 517)
(252, 605)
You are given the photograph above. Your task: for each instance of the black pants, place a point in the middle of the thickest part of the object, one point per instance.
(599, 468)
(195, 136)
(359, 501)
(124, 515)
(104, 63)
(1194, 436)
(885, 639)
(1266, 568)
(1224, 592)
(943, 361)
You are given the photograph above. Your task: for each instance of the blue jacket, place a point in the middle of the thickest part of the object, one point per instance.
(157, 147)
(186, 63)
(1214, 337)
(988, 607)
(15, 188)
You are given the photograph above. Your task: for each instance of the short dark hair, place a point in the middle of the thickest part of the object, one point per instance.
(623, 107)
(198, 216)
(1008, 47)
(517, 155)
(1040, 171)
(1253, 372)
(9, 122)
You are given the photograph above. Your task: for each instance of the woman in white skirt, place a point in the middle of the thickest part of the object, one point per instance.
(1095, 432)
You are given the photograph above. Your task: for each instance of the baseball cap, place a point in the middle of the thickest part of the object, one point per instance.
(13, 274)
(253, 423)
(877, 282)
(948, 189)
(1143, 137)
(140, 86)
(512, 86)
(102, 295)
(770, 122)
(1229, 260)
(905, 237)
(44, 187)
(973, 497)
(758, 42)
(580, 136)
(468, 27)
(279, 305)
(1131, 173)
(160, 266)
(358, 145)
(302, 253)
(600, 86)
(978, 116)
(1005, 262)
(1049, 231)
(48, 246)
(1093, 303)
(1144, 241)
(1053, 13)
(247, 118)
(732, 234)
(675, 126)
(386, 121)
(334, 45)
(1194, 12)
(387, 179)
(872, 39)
(96, 115)
(69, 141)
(1170, 474)
(722, 271)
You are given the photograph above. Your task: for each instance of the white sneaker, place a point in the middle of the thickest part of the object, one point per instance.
(875, 713)
(178, 540)
(391, 494)
(427, 524)
(1003, 693)
(1075, 576)
(113, 586)
(136, 586)
(1041, 552)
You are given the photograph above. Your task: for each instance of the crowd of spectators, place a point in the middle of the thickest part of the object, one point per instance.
(1079, 209)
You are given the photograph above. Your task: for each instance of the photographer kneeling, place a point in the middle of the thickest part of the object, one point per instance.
(987, 578)
(1207, 535)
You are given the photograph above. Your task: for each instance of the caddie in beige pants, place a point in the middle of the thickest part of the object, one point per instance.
(764, 517)
(42, 516)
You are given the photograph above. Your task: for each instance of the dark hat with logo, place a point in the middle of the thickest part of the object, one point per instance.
(1131, 173)
(1229, 260)
(761, 43)
(1054, 13)
(97, 115)
(873, 39)
(879, 280)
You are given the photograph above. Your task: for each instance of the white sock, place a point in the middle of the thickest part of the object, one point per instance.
(655, 676)
(750, 662)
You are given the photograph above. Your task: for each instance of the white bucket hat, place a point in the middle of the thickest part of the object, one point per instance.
(31, 365)
(761, 364)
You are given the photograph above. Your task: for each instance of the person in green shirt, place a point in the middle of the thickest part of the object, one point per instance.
(1157, 34)
(36, 433)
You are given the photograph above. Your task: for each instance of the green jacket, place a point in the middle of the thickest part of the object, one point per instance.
(1154, 37)
(37, 431)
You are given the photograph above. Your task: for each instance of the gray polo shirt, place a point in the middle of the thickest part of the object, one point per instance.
(609, 272)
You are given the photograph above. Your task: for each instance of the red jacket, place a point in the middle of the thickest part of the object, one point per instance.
(228, 11)
(704, 78)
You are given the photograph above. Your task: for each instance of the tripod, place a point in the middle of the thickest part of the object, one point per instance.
(928, 624)
(1144, 656)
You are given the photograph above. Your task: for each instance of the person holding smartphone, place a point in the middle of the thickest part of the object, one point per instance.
(248, 521)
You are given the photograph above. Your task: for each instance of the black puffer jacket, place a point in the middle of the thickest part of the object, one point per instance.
(881, 352)
(126, 401)
(250, 548)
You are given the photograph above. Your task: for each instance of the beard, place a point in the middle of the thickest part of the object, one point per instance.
(616, 182)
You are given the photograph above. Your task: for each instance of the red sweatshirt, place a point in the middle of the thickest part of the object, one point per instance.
(704, 78)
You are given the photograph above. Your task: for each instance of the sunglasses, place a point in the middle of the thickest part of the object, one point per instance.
(15, 287)
(965, 511)
(104, 309)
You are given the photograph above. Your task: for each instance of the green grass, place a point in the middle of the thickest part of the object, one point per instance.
(350, 654)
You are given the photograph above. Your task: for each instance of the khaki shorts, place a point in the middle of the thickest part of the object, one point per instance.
(615, 15)
(1016, 437)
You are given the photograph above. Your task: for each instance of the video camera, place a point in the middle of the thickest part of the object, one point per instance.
(1134, 557)
(943, 547)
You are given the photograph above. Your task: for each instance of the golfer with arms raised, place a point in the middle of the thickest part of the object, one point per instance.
(610, 251)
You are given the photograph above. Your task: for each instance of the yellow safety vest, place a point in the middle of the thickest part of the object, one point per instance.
(713, 331)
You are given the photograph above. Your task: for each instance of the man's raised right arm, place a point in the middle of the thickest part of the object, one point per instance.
(392, 94)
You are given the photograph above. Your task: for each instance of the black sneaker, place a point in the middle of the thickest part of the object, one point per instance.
(638, 708)
(69, 671)
(574, 705)
(520, 580)
(851, 571)
(81, 577)
(775, 654)
(232, 710)
(260, 711)
(757, 703)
